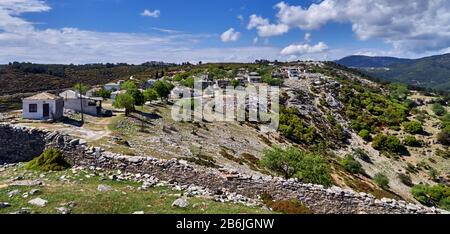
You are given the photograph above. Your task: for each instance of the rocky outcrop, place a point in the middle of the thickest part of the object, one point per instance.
(225, 183)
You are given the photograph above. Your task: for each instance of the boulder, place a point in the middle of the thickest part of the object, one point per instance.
(181, 203)
(104, 188)
(38, 202)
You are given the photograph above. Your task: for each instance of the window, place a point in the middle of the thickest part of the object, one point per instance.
(32, 108)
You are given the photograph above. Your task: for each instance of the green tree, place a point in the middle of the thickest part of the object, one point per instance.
(163, 89)
(381, 180)
(351, 165)
(150, 95)
(81, 89)
(283, 162)
(128, 85)
(138, 96)
(306, 166)
(234, 83)
(125, 101)
(103, 93)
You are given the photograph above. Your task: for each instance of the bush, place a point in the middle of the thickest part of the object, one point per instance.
(361, 154)
(438, 109)
(365, 134)
(413, 127)
(293, 162)
(412, 141)
(351, 165)
(405, 179)
(293, 206)
(381, 180)
(387, 143)
(438, 195)
(444, 136)
(50, 160)
(292, 127)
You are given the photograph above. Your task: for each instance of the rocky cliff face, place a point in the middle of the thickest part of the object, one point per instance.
(23, 144)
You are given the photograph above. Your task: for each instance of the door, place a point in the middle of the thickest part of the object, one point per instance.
(46, 110)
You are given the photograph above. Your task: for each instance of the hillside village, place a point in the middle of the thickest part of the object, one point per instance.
(379, 139)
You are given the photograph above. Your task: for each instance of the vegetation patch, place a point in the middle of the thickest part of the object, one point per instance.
(382, 181)
(437, 195)
(351, 165)
(308, 167)
(50, 160)
(292, 206)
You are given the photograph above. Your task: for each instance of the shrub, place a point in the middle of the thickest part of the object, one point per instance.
(293, 206)
(444, 136)
(292, 127)
(50, 160)
(351, 165)
(412, 141)
(361, 154)
(387, 143)
(437, 195)
(405, 179)
(293, 162)
(438, 109)
(413, 127)
(381, 180)
(365, 134)
(433, 173)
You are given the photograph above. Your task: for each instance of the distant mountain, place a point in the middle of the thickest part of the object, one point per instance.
(429, 72)
(361, 61)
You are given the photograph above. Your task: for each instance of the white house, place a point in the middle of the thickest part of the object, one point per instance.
(113, 86)
(115, 93)
(91, 105)
(43, 106)
(253, 77)
(293, 73)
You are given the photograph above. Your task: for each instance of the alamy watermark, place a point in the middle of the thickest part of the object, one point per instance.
(256, 103)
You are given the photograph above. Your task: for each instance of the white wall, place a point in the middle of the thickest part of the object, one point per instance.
(55, 108)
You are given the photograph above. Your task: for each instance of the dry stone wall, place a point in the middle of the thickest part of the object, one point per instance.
(23, 144)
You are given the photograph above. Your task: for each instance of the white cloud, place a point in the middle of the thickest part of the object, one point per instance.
(265, 28)
(149, 13)
(21, 41)
(255, 40)
(304, 49)
(230, 35)
(165, 30)
(307, 37)
(409, 25)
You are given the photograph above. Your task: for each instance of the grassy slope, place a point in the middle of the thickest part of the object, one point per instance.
(121, 200)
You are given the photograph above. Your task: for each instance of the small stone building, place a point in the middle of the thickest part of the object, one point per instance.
(43, 106)
(91, 105)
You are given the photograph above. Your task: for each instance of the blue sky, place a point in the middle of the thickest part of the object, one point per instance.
(88, 31)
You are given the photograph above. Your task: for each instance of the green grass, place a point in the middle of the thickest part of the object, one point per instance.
(123, 199)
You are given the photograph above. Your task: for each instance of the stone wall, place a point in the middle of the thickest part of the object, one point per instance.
(23, 144)
(20, 144)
